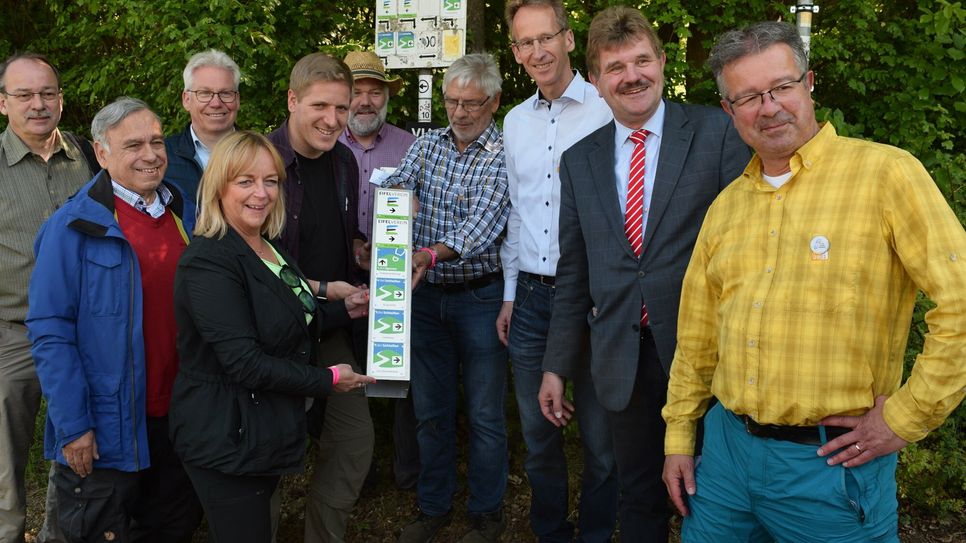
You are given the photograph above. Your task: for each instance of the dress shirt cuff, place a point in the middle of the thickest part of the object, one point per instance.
(679, 438)
(906, 422)
(509, 285)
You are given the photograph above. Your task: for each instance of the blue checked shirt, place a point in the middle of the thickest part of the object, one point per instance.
(155, 210)
(463, 198)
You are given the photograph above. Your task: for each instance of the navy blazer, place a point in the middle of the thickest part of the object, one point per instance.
(183, 171)
(601, 283)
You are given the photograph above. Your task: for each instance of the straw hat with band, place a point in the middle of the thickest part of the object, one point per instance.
(366, 65)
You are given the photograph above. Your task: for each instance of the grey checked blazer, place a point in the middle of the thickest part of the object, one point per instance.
(600, 282)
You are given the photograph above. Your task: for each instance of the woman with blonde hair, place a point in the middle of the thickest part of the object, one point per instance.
(248, 323)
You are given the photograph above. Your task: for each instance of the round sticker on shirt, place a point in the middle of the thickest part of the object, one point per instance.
(819, 245)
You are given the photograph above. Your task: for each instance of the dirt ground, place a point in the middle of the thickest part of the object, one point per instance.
(383, 510)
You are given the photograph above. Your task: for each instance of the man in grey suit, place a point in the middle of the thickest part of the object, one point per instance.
(633, 196)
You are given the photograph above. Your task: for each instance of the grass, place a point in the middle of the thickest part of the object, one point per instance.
(383, 510)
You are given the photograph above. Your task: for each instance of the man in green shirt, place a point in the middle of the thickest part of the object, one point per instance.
(40, 167)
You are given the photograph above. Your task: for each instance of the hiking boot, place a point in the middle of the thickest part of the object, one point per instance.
(487, 527)
(423, 528)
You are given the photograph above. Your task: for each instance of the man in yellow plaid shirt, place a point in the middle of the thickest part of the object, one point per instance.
(795, 312)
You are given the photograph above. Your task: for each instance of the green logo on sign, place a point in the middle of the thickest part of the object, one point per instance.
(389, 325)
(388, 359)
(390, 293)
(407, 40)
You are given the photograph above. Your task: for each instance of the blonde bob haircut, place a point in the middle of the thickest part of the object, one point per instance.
(231, 157)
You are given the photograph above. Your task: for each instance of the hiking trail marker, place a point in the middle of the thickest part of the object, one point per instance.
(390, 300)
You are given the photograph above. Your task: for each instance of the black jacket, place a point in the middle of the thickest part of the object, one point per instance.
(238, 404)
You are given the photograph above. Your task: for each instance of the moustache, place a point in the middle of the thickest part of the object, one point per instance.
(780, 118)
(634, 85)
(41, 115)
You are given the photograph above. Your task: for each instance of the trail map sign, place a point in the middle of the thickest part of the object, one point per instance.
(390, 294)
(420, 33)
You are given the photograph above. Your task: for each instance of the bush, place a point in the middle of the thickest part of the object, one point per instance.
(932, 473)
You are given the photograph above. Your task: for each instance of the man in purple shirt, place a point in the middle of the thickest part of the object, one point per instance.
(376, 144)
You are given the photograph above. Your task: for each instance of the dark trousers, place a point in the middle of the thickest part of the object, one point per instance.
(154, 505)
(238, 507)
(638, 433)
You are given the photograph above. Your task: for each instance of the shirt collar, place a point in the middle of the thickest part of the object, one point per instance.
(202, 152)
(379, 135)
(807, 156)
(576, 91)
(489, 139)
(15, 149)
(194, 137)
(654, 125)
(137, 202)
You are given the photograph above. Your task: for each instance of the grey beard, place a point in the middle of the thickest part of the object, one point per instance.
(366, 128)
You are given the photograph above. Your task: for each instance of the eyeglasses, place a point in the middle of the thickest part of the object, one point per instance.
(526, 46)
(777, 93)
(45, 95)
(469, 106)
(292, 280)
(205, 96)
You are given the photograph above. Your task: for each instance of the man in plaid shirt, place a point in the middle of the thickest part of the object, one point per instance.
(459, 178)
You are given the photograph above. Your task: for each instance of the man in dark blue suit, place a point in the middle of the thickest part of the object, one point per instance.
(633, 196)
(211, 98)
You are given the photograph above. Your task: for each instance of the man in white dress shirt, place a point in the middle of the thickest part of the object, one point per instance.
(537, 131)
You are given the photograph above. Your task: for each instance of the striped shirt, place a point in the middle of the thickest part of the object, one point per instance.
(31, 189)
(797, 301)
(463, 200)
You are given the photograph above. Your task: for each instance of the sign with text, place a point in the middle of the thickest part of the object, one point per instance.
(420, 33)
(390, 304)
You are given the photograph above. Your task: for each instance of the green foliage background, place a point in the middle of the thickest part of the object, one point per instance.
(891, 71)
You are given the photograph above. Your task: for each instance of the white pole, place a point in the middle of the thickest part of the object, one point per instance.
(425, 111)
(803, 11)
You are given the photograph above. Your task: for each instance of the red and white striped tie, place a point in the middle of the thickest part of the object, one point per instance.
(634, 215)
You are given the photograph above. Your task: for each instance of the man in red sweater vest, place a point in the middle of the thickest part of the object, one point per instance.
(101, 319)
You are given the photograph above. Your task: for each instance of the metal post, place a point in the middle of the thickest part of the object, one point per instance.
(803, 11)
(425, 110)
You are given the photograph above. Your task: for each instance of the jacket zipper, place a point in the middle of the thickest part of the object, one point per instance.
(130, 352)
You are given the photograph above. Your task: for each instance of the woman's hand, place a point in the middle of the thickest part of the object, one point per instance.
(357, 303)
(339, 290)
(349, 380)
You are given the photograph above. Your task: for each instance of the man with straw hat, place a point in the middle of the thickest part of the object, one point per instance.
(374, 142)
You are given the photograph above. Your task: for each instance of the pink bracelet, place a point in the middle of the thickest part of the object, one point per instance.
(335, 374)
(432, 255)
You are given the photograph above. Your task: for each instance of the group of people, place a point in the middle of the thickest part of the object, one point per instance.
(698, 275)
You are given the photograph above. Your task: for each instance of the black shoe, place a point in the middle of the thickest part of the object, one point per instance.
(423, 528)
(487, 527)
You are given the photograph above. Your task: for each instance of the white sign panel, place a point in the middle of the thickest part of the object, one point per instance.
(390, 303)
(420, 33)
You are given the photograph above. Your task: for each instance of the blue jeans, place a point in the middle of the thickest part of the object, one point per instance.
(454, 340)
(546, 463)
(752, 489)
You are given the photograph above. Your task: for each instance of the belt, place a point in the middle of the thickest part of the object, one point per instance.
(472, 284)
(803, 435)
(542, 279)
